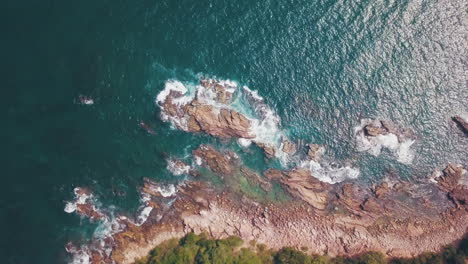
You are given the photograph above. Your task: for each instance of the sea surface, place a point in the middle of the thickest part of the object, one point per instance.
(322, 66)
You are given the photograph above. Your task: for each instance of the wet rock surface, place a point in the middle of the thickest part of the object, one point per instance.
(314, 151)
(196, 115)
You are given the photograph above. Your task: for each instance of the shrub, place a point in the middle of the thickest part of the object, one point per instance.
(199, 249)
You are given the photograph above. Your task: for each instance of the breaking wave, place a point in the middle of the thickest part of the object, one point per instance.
(399, 145)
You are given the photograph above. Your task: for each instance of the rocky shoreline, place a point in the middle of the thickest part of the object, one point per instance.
(397, 218)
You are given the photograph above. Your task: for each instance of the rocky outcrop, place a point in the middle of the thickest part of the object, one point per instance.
(223, 123)
(196, 115)
(374, 128)
(289, 147)
(381, 189)
(223, 164)
(462, 123)
(269, 151)
(301, 184)
(222, 90)
(450, 181)
(314, 151)
(451, 176)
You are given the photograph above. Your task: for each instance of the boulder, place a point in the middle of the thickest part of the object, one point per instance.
(267, 149)
(314, 151)
(289, 147)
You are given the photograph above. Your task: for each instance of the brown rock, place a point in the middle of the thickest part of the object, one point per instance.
(255, 179)
(267, 149)
(451, 176)
(459, 196)
(289, 147)
(301, 184)
(381, 189)
(314, 151)
(193, 125)
(216, 161)
(373, 130)
(371, 205)
(215, 121)
(347, 196)
(462, 123)
(89, 211)
(273, 174)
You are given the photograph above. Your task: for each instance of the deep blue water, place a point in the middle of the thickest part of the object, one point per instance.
(322, 65)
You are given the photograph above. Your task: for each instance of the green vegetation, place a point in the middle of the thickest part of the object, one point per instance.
(200, 249)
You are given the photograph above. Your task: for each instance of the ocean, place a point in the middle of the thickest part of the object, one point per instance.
(320, 66)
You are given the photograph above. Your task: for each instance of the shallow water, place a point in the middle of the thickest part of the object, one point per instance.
(322, 67)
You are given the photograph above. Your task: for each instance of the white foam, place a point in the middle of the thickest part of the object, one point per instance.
(70, 207)
(80, 198)
(176, 169)
(374, 145)
(144, 214)
(404, 153)
(170, 86)
(253, 93)
(243, 142)
(80, 256)
(167, 191)
(198, 160)
(329, 174)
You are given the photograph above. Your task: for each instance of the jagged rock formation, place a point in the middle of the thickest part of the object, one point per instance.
(196, 115)
(314, 151)
(462, 123)
(224, 124)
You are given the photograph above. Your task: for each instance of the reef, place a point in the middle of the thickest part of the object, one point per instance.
(334, 217)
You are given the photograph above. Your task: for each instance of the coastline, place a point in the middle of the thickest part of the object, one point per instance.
(325, 210)
(386, 225)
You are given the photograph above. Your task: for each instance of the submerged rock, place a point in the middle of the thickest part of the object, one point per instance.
(216, 161)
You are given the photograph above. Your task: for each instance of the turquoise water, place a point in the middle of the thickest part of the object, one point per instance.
(321, 65)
